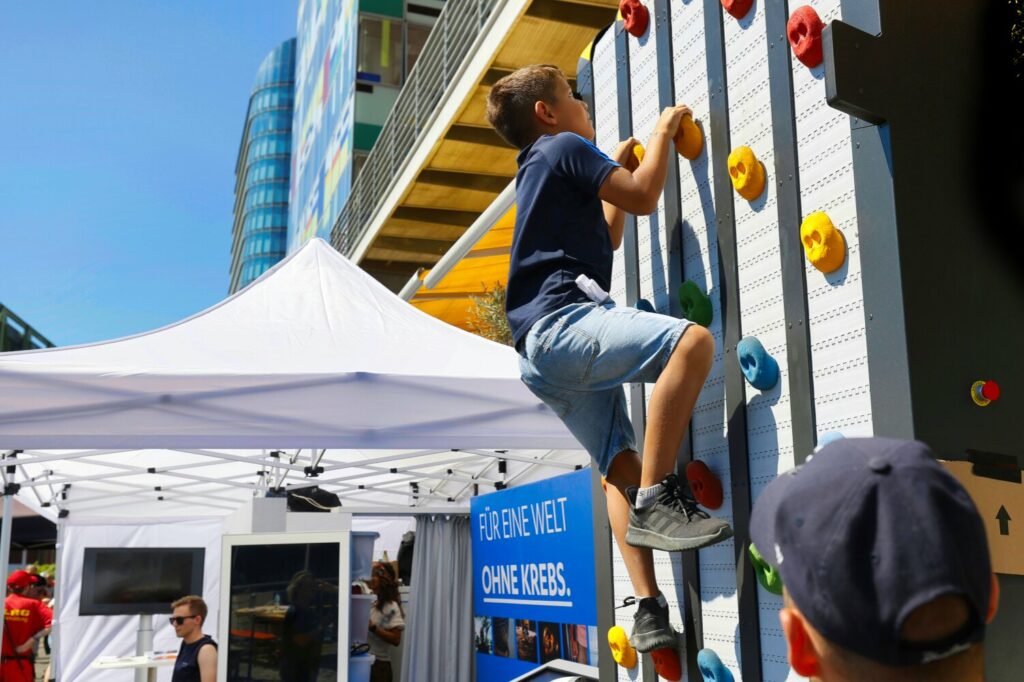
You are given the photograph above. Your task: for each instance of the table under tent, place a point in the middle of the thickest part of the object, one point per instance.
(313, 374)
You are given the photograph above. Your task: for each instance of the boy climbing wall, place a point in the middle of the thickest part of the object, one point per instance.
(577, 348)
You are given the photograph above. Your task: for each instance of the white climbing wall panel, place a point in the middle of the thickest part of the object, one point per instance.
(836, 321)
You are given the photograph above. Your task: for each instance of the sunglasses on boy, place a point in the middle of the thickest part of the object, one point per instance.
(179, 620)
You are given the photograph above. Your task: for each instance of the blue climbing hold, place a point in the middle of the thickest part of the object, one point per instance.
(760, 369)
(711, 667)
(826, 438)
(644, 305)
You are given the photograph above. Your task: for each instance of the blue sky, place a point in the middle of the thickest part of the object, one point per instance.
(120, 125)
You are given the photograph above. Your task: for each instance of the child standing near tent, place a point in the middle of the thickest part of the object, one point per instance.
(577, 347)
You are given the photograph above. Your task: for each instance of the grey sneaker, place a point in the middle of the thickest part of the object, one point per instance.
(651, 629)
(674, 522)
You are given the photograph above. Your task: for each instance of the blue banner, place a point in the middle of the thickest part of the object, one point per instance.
(534, 597)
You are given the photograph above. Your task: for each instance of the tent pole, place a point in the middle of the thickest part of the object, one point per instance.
(58, 593)
(5, 539)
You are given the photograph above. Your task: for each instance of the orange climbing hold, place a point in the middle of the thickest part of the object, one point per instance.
(689, 138)
(824, 245)
(634, 17)
(746, 172)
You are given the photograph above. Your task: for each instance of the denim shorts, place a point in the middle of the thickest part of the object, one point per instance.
(577, 359)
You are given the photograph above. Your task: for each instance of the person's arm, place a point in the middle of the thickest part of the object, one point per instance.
(392, 636)
(638, 192)
(30, 643)
(613, 215)
(207, 660)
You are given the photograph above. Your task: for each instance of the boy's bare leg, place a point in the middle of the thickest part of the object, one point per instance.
(623, 473)
(672, 401)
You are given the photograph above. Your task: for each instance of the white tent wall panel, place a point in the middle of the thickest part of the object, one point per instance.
(81, 640)
(835, 302)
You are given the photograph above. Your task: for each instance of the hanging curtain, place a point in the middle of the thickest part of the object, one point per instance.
(439, 635)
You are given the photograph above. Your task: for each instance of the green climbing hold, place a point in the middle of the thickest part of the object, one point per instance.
(696, 304)
(766, 574)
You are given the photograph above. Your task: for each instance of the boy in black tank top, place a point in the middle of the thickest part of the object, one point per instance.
(197, 657)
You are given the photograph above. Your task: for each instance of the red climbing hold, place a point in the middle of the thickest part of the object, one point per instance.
(634, 17)
(706, 487)
(666, 664)
(737, 8)
(804, 31)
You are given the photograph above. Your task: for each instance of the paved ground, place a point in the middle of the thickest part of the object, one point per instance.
(42, 660)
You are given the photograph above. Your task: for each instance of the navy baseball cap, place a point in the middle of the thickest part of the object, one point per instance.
(865, 532)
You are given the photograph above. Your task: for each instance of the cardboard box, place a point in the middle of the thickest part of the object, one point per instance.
(1001, 505)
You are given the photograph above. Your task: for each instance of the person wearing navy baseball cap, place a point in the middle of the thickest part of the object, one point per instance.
(882, 561)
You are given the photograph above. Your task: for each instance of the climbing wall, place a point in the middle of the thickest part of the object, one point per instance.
(835, 301)
(733, 104)
(720, 608)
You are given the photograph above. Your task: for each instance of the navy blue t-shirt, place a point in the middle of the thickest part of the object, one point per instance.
(560, 229)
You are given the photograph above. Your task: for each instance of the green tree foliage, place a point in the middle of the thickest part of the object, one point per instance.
(487, 316)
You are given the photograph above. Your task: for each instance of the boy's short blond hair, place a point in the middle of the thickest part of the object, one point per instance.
(510, 104)
(196, 605)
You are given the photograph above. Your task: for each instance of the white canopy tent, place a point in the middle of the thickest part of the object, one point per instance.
(314, 371)
(314, 354)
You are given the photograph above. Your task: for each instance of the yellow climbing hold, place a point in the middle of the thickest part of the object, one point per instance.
(622, 651)
(746, 173)
(824, 245)
(689, 138)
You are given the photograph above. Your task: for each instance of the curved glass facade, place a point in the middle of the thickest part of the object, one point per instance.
(263, 170)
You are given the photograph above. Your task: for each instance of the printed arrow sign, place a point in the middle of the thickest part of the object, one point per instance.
(1004, 521)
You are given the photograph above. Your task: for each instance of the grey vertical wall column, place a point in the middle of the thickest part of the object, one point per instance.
(735, 391)
(886, 336)
(794, 278)
(603, 578)
(631, 255)
(688, 582)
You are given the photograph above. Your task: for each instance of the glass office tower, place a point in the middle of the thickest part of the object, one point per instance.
(263, 170)
(353, 57)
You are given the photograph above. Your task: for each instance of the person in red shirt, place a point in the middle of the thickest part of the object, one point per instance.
(26, 621)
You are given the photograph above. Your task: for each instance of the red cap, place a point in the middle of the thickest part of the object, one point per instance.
(19, 579)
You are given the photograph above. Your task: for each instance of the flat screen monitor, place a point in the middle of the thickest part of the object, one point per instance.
(124, 582)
